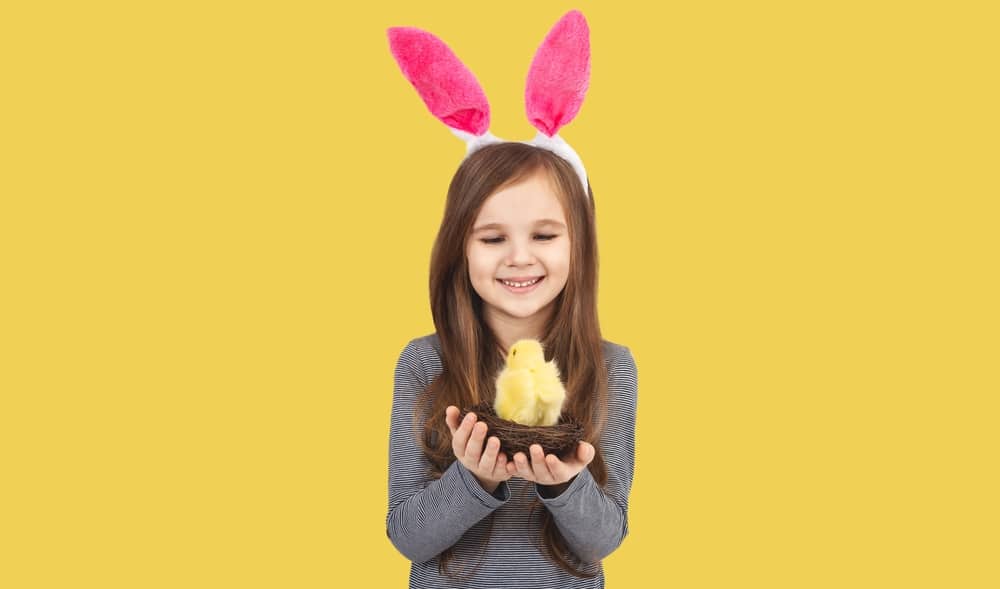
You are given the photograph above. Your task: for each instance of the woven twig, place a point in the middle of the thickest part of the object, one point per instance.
(560, 439)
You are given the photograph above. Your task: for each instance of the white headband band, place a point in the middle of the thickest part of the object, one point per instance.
(555, 144)
(557, 83)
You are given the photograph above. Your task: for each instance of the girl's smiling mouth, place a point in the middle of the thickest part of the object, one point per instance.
(525, 286)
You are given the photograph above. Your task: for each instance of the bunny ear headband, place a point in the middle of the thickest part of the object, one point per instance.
(557, 81)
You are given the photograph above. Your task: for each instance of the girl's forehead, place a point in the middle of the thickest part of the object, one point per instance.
(523, 203)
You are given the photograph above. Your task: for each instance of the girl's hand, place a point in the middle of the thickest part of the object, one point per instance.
(467, 443)
(548, 469)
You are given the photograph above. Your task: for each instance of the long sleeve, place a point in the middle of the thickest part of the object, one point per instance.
(594, 521)
(426, 516)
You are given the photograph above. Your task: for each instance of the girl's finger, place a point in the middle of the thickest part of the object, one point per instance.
(489, 459)
(500, 469)
(474, 449)
(538, 465)
(583, 456)
(522, 467)
(461, 438)
(451, 418)
(557, 468)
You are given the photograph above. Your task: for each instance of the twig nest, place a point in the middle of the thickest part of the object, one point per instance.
(560, 439)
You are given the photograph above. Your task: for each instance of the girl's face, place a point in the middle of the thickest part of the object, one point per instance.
(520, 234)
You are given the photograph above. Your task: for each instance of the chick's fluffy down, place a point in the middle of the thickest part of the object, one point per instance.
(529, 390)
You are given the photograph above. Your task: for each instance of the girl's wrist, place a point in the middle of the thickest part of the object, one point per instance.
(490, 486)
(550, 491)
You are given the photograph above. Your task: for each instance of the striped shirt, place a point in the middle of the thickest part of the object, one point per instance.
(426, 516)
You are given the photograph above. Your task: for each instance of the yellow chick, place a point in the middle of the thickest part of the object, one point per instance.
(529, 390)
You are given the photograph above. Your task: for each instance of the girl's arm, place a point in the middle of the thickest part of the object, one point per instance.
(426, 516)
(594, 521)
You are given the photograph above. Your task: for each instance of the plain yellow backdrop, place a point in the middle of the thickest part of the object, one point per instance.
(215, 230)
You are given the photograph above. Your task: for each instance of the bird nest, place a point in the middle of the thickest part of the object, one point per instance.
(560, 439)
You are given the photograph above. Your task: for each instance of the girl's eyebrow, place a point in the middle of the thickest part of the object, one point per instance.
(538, 223)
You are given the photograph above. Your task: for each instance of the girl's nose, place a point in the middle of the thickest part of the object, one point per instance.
(520, 253)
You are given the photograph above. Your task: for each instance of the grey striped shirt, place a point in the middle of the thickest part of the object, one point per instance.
(426, 516)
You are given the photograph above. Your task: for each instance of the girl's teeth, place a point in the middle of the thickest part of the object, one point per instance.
(520, 284)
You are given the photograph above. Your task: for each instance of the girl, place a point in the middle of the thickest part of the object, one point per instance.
(515, 257)
(463, 514)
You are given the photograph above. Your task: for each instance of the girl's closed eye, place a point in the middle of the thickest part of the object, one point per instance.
(494, 240)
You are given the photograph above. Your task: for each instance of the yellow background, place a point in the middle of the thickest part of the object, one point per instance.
(215, 231)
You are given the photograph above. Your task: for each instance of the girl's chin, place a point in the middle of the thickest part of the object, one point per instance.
(523, 310)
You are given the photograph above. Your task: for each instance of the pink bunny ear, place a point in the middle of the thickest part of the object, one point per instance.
(448, 88)
(559, 74)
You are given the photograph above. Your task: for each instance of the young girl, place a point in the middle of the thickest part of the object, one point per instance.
(515, 257)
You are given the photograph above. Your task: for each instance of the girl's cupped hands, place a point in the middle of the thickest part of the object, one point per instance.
(549, 469)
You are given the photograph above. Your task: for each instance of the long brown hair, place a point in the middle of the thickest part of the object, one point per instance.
(469, 349)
